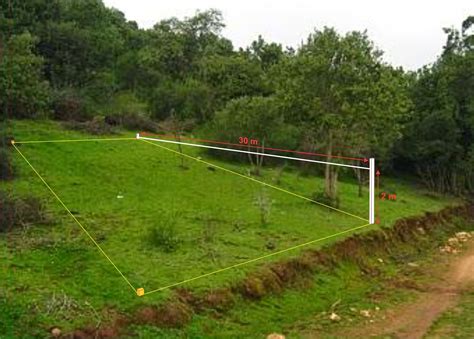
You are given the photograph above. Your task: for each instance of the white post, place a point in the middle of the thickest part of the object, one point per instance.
(371, 190)
(138, 135)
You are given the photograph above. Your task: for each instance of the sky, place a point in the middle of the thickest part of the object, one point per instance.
(408, 31)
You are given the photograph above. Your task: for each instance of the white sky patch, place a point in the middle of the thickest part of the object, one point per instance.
(408, 31)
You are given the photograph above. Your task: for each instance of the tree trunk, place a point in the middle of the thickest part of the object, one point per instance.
(178, 138)
(256, 167)
(360, 181)
(260, 157)
(330, 183)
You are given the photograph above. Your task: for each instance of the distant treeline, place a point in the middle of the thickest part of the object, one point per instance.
(77, 60)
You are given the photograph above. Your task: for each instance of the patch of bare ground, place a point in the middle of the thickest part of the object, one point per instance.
(452, 274)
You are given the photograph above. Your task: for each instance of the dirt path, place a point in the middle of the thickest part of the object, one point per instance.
(410, 321)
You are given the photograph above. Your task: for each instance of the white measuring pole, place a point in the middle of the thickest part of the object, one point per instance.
(250, 152)
(372, 191)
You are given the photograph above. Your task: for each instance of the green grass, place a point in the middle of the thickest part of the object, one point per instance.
(458, 322)
(122, 190)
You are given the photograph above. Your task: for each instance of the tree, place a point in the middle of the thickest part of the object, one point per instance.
(268, 54)
(23, 92)
(231, 77)
(258, 118)
(338, 90)
(438, 143)
(177, 124)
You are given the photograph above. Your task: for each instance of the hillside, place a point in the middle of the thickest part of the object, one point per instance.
(159, 222)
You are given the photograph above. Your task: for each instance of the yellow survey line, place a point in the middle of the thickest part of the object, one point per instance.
(71, 140)
(255, 180)
(72, 215)
(256, 259)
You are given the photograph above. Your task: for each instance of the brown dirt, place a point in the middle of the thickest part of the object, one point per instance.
(413, 320)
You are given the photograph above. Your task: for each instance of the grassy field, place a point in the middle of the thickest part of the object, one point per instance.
(158, 222)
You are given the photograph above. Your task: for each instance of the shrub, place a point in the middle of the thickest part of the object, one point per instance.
(323, 199)
(130, 112)
(132, 121)
(20, 212)
(68, 104)
(96, 126)
(164, 235)
(264, 204)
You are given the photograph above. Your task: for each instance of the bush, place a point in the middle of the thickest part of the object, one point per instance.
(323, 199)
(20, 212)
(130, 112)
(264, 203)
(97, 126)
(69, 104)
(132, 121)
(164, 235)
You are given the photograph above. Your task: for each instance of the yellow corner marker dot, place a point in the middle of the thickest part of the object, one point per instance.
(13, 142)
(140, 291)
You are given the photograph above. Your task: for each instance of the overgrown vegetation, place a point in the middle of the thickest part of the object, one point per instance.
(264, 203)
(77, 60)
(95, 72)
(164, 234)
(21, 212)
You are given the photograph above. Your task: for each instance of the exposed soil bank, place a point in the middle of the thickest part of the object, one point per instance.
(278, 276)
(414, 319)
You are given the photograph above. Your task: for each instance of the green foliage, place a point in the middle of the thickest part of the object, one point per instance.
(257, 118)
(335, 88)
(267, 54)
(23, 93)
(190, 99)
(68, 103)
(130, 112)
(232, 76)
(163, 234)
(438, 141)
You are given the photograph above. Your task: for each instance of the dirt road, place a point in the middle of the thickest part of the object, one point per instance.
(413, 320)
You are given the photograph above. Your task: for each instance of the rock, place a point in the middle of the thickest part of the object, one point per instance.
(446, 249)
(421, 230)
(353, 309)
(334, 317)
(377, 308)
(412, 264)
(453, 241)
(275, 336)
(463, 236)
(365, 313)
(55, 332)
